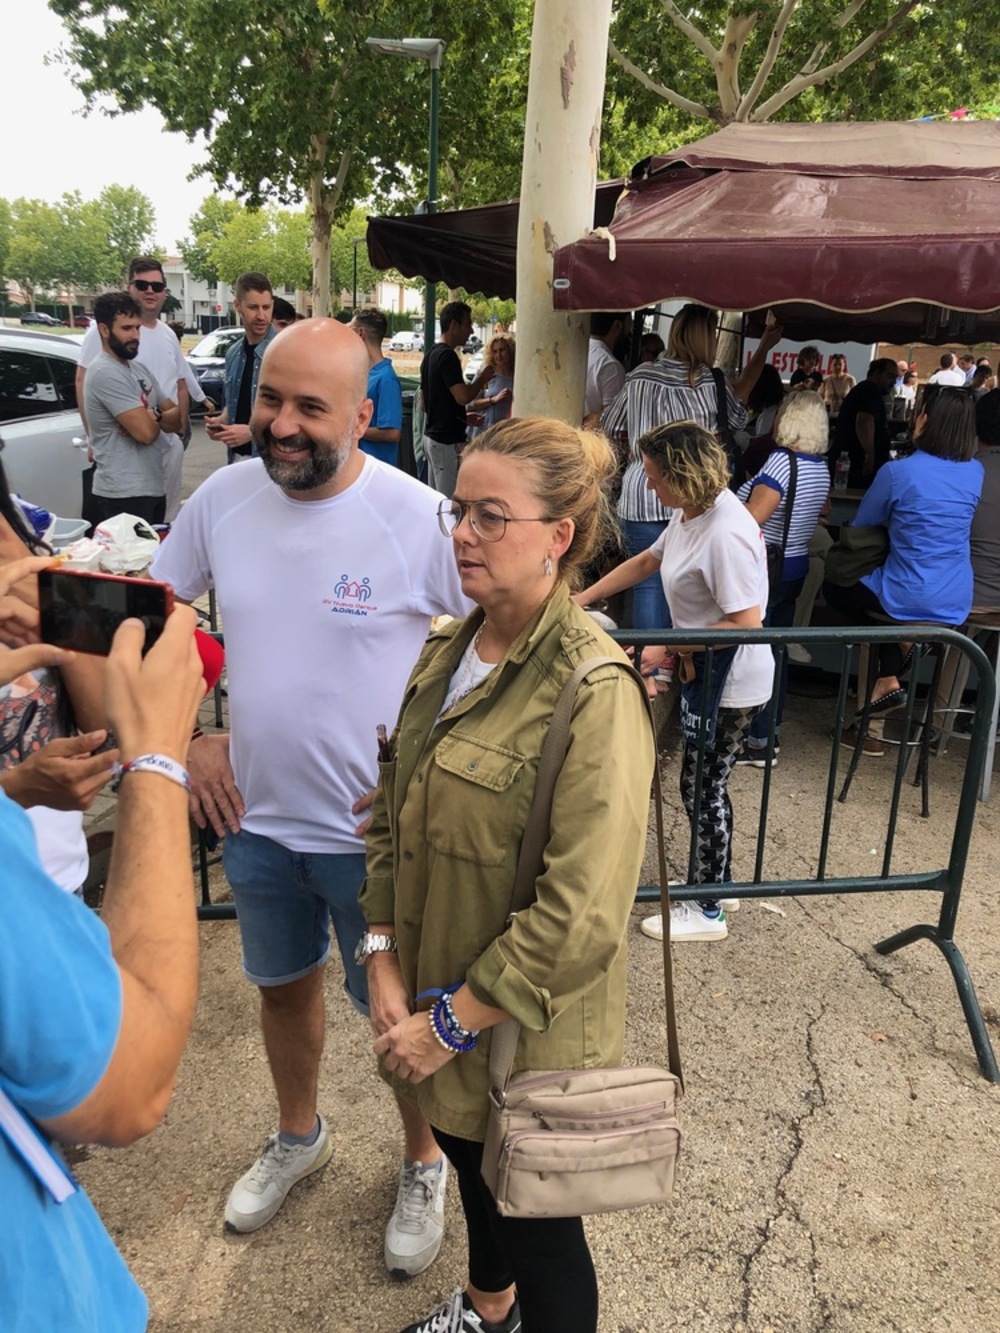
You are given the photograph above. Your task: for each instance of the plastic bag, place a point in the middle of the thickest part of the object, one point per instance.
(129, 544)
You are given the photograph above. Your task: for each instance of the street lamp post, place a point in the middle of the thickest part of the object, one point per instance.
(430, 49)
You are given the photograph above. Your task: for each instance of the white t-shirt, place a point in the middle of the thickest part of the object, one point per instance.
(325, 606)
(711, 566)
(159, 352)
(605, 378)
(953, 378)
(62, 845)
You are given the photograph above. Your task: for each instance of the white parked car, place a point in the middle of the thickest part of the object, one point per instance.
(406, 342)
(44, 447)
(473, 366)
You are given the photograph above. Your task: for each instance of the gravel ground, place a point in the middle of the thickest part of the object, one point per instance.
(839, 1169)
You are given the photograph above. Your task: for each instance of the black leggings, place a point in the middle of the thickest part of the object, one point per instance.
(547, 1258)
(859, 606)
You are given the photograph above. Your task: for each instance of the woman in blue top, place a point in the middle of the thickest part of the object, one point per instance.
(927, 502)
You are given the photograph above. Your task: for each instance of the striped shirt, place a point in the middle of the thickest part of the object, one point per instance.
(812, 486)
(654, 395)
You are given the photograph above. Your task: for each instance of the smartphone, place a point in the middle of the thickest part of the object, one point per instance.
(81, 611)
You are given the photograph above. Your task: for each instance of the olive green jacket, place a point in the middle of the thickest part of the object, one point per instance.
(442, 850)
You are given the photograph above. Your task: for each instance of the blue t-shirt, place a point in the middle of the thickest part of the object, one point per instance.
(387, 396)
(927, 503)
(60, 1013)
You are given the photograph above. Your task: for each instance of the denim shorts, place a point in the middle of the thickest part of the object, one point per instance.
(285, 902)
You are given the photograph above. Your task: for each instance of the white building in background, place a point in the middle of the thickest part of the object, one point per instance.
(198, 301)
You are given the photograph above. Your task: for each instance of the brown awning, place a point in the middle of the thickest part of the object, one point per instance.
(474, 248)
(864, 231)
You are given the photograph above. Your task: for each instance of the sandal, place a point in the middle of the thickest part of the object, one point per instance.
(905, 664)
(887, 703)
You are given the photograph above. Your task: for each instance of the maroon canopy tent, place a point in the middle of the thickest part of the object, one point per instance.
(474, 248)
(868, 231)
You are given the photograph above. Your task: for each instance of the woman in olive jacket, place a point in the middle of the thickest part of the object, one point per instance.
(454, 792)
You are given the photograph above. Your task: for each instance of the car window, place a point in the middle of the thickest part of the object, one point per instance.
(64, 375)
(216, 344)
(26, 386)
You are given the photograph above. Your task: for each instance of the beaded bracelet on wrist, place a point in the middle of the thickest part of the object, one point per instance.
(455, 1028)
(441, 1030)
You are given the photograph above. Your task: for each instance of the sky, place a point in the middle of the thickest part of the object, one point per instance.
(56, 148)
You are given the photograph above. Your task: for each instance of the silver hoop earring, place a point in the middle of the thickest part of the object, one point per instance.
(547, 566)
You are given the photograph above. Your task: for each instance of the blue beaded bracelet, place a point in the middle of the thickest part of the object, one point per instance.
(455, 1028)
(443, 1031)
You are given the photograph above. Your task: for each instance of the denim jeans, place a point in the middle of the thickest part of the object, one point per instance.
(780, 615)
(649, 606)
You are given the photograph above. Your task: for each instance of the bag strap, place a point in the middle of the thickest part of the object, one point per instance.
(793, 472)
(536, 834)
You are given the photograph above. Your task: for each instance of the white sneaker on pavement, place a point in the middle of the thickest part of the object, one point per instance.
(416, 1227)
(260, 1192)
(687, 922)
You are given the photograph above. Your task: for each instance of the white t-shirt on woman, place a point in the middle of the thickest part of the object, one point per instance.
(711, 567)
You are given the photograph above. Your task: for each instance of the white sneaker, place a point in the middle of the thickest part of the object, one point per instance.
(257, 1195)
(729, 904)
(416, 1228)
(797, 653)
(687, 922)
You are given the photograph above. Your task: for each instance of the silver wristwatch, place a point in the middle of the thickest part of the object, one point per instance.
(369, 944)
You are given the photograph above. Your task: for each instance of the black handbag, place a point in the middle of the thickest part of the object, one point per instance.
(776, 553)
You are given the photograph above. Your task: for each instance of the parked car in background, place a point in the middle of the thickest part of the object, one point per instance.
(207, 359)
(473, 344)
(407, 341)
(44, 446)
(82, 321)
(40, 317)
(473, 366)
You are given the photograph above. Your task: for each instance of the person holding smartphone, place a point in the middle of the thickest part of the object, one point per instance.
(94, 1012)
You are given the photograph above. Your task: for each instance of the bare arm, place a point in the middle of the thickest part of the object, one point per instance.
(751, 371)
(140, 424)
(762, 503)
(183, 405)
(465, 393)
(626, 575)
(382, 435)
(81, 375)
(149, 902)
(171, 418)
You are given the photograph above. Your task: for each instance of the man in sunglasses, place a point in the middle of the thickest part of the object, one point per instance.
(160, 353)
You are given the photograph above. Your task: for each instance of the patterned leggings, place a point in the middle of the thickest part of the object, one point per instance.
(714, 843)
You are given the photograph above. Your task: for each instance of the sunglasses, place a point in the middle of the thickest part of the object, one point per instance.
(144, 285)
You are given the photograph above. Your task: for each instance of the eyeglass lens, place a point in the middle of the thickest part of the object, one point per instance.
(144, 285)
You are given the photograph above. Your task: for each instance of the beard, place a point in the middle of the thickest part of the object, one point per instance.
(128, 351)
(324, 462)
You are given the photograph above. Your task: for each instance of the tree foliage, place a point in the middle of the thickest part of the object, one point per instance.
(283, 97)
(129, 220)
(207, 225)
(274, 241)
(733, 60)
(75, 244)
(6, 225)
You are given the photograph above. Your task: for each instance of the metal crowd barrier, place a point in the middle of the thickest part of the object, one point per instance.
(945, 881)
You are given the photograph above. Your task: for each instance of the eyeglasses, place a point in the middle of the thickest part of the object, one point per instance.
(144, 285)
(486, 517)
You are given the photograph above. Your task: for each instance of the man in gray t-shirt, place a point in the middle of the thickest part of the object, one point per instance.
(126, 411)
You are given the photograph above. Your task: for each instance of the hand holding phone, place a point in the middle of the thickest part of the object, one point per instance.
(81, 611)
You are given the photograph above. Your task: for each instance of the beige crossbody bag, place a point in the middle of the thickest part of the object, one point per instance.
(563, 1143)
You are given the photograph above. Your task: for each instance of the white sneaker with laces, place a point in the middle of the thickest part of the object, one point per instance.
(687, 922)
(416, 1227)
(800, 654)
(260, 1192)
